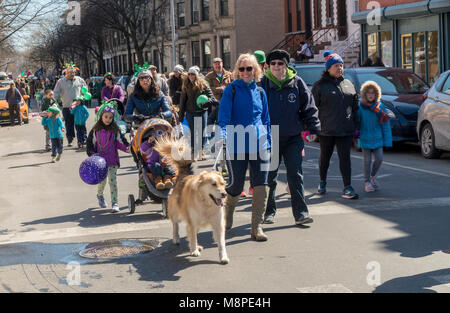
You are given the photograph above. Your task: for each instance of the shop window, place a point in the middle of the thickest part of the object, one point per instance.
(407, 58)
(420, 54)
(372, 45)
(386, 48)
(433, 57)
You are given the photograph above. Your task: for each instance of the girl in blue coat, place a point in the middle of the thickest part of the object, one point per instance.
(375, 132)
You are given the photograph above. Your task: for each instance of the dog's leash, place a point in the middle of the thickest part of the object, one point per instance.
(224, 153)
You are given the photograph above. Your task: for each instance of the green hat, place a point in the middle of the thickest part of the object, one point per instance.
(260, 56)
(54, 110)
(201, 99)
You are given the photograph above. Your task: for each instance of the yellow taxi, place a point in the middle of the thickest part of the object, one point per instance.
(4, 107)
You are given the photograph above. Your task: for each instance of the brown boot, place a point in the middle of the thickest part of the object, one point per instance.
(259, 203)
(159, 183)
(168, 184)
(230, 205)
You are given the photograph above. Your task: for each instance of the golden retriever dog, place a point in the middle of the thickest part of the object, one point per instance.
(195, 199)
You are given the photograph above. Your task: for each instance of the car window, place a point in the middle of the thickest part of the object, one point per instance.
(446, 87)
(309, 74)
(3, 94)
(395, 82)
(350, 78)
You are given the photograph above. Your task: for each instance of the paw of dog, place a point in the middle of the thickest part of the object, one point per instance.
(224, 261)
(195, 253)
(200, 248)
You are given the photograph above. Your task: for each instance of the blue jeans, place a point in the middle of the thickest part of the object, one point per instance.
(198, 133)
(290, 148)
(57, 146)
(81, 133)
(239, 169)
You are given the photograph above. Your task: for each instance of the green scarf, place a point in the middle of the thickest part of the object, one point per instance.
(290, 74)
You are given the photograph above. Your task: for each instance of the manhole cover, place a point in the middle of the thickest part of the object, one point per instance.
(111, 249)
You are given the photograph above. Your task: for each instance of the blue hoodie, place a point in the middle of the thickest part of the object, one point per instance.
(81, 114)
(250, 112)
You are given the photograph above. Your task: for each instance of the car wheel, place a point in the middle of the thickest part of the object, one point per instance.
(427, 143)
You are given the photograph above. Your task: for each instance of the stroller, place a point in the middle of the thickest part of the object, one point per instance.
(147, 187)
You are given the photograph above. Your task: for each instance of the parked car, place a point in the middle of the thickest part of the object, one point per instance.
(4, 107)
(402, 91)
(433, 121)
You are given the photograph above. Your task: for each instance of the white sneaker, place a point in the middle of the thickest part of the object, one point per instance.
(369, 187)
(115, 207)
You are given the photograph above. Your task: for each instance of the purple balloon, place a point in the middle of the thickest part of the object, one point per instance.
(93, 170)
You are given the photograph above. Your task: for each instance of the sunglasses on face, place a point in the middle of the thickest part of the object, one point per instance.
(248, 69)
(144, 77)
(277, 63)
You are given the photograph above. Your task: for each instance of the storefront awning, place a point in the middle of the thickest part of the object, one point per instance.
(407, 10)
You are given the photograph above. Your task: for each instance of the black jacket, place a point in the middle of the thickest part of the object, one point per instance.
(337, 101)
(292, 107)
(175, 85)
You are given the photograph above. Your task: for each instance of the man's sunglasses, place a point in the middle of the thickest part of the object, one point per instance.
(248, 68)
(277, 63)
(144, 77)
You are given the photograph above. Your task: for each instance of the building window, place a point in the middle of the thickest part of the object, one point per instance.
(181, 15)
(206, 48)
(318, 13)
(330, 12)
(194, 12)
(223, 7)
(433, 56)
(182, 57)
(289, 15)
(205, 10)
(299, 15)
(356, 5)
(195, 53)
(156, 59)
(226, 52)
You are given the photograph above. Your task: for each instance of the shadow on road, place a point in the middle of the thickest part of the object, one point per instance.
(30, 165)
(415, 284)
(38, 151)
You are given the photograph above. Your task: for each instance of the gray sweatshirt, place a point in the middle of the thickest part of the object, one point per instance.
(69, 90)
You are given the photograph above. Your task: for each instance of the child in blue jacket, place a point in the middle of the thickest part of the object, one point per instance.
(375, 132)
(81, 114)
(56, 128)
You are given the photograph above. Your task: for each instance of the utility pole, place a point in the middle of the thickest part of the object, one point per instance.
(174, 39)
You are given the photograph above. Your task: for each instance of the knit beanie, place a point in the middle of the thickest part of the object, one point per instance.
(331, 58)
(278, 55)
(194, 70)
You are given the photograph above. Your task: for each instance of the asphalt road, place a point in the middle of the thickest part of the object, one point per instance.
(394, 240)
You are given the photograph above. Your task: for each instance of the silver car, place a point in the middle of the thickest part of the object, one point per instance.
(433, 121)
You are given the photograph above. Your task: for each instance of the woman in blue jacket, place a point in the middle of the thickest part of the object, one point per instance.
(245, 126)
(147, 99)
(375, 132)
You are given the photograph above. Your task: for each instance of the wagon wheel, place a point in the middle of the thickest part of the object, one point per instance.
(165, 205)
(131, 204)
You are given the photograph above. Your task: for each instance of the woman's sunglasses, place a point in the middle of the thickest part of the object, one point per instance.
(144, 77)
(248, 68)
(277, 63)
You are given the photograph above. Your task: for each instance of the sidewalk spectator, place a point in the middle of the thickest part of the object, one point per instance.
(261, 58)
(375, 132)
(245, 104)
(305, 52)
(218, 79)
(337, 101)
(292, 108)
(69, 89)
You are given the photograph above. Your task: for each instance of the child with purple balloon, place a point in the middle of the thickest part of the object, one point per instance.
(105, 140)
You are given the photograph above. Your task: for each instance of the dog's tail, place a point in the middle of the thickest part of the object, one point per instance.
(177, 153)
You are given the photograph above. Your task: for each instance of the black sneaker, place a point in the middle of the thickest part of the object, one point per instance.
(322, 189)
(349, 193)
(304, 219)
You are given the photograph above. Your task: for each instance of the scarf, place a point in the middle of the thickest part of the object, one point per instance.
(375, 107)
